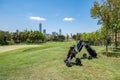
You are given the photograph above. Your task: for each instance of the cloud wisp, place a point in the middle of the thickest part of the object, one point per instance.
(36, 18)
(68, 19)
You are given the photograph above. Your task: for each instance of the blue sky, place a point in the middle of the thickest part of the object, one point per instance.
(72, 16)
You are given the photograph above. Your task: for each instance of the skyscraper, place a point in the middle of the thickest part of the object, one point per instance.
(60, 31)
(44, 31)
(55, 33)
(40, 27)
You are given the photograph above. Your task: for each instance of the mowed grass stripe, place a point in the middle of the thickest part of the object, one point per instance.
(13, 47)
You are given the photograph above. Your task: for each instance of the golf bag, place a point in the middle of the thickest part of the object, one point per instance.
(67, 61)
(79, 46)
(73, 54)
(91, 51)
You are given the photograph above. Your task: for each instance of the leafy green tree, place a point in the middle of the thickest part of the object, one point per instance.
(108, 15)
(84, 36)
(61, 37)
(24, 35)
(4, 37)
(74, 37)
(38, 36)
(15, 36)
(67, 37)
(28, 36)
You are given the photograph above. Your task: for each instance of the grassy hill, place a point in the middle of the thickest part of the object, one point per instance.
(45, 62)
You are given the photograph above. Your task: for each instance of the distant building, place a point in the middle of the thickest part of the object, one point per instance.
(55, 33)
(40, 27)
(17, 31)
(44, 31)
(47, 35)
(60, 32)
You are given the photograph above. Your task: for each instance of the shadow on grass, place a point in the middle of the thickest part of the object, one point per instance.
(112, 54)
(115, 49)
(74, 64)
(89, 58)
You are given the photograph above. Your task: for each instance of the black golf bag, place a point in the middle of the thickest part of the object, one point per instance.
(67, 61)
(91, 51)
(80, 48)
(74, 52)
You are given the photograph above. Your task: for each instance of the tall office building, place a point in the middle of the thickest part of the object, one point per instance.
(55, 33)
(60, 31)
(44, 31)
(40, 27)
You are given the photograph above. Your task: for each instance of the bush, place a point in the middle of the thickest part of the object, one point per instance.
(61, 37)
(28, 41)
(11, 42)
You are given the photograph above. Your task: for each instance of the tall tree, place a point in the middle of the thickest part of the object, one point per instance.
(108, 15)
(67, 37)
(4, 37)
(115, 13)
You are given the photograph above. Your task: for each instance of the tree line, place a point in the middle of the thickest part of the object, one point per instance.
(20, 37)
(7, 38)
(97, 38)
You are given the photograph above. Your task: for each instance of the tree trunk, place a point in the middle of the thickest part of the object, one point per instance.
(106, 41)
(112, 39)
(106, 48)
(115, 39)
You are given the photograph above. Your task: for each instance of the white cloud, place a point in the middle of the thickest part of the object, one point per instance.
(36, 18)
(68, 19)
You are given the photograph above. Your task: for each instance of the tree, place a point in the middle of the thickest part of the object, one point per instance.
(35, 36)
(16, 37)
(28, 36)
(4, 37)
(74, 37)
(67, 37)
(84, 36)
(114, 17)
(61, 37)
(108, 15)
(78, 36)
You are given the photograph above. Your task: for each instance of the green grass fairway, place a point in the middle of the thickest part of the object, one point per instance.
(45, 62)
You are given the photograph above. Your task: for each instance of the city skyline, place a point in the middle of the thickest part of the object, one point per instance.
(42, 30)
(72, 16)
